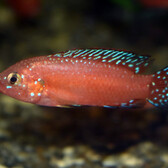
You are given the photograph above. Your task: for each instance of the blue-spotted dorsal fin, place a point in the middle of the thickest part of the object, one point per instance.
(132, 61)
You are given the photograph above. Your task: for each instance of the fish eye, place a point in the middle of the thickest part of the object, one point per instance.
(14, 78)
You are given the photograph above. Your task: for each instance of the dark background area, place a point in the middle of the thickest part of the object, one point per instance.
(34, 136)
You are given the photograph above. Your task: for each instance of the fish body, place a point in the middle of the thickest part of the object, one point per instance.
(93, 77)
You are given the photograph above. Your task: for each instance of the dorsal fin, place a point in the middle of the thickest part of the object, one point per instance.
(136, 63)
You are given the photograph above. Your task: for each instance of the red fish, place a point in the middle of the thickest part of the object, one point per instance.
(155, 3)
(93, 77)
(25, 8)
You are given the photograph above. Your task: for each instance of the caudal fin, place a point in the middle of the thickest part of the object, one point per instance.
(159, 89)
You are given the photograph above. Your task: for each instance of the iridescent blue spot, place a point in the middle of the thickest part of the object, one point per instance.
(160, 100)
(108, 52)
(131, 54)
(139, 63)
(32, 94)
(130, 65)
(156, 104)
(96, 58)
(95, 53)
(166, 69)
(123, 104)
(131, 101)
(134, 60)
(57, 55)
(136, 69)
(79, 53)
(115, 58)
(106, 106)
(141, 56)
(8, 87)
(117, 53)
(118, 62)
(146, 64)
(108, 55)
(76, 105)
(128, 60)
(88, 52)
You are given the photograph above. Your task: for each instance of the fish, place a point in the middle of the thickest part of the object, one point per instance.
(87, 77)
(155, 3)
(25, 8)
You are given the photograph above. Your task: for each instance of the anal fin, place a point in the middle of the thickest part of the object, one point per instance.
(134, 103)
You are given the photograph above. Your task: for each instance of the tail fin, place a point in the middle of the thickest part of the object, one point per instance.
(159, 89)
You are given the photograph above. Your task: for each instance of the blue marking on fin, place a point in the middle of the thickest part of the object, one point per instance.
(112, 107)
(159, 89)
(136, 63)
(76, 105)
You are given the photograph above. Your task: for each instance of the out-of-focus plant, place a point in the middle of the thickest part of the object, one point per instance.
(127, 4)
(134, 4)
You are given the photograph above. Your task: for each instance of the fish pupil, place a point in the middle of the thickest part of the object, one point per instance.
(13, 79)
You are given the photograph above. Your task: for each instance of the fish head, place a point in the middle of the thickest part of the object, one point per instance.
(21, 82)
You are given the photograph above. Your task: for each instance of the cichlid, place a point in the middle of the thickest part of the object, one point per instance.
(93, 77)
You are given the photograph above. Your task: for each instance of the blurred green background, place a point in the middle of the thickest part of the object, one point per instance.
(34, 136)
